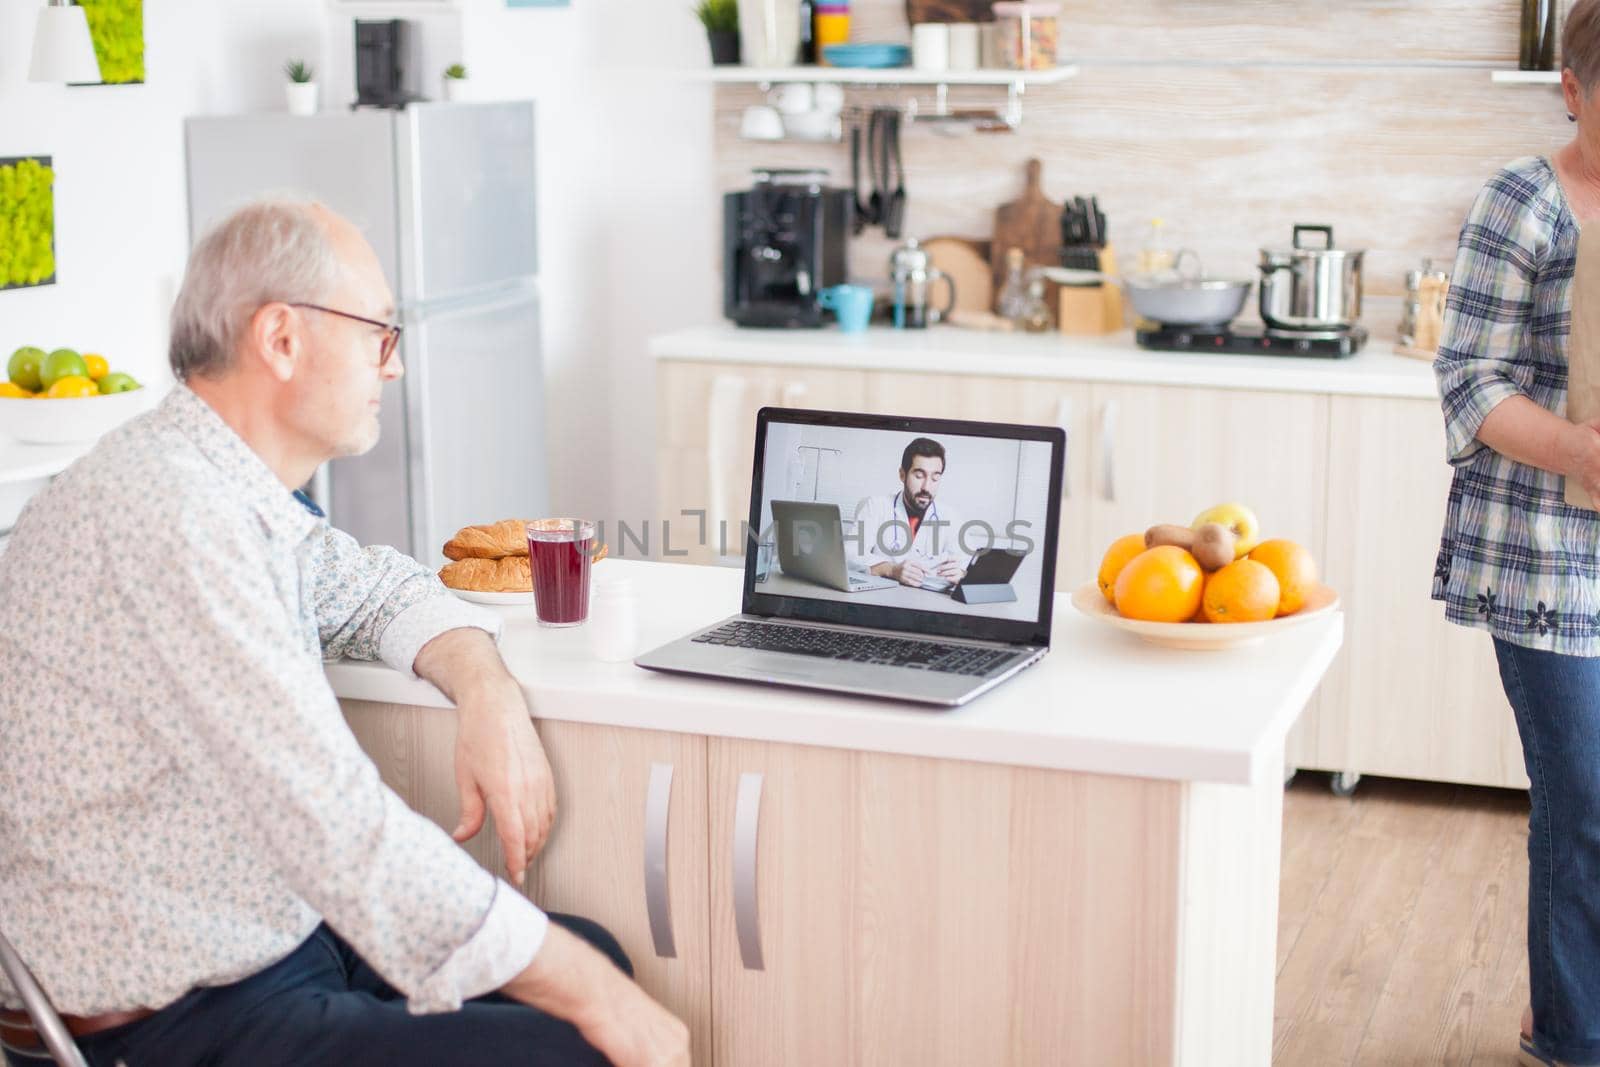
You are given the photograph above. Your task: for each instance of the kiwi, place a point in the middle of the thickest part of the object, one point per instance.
(1213, 546)
(1168, 534)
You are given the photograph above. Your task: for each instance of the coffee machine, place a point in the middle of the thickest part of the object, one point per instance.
(783, 240)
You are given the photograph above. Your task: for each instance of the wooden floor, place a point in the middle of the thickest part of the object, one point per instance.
(1402, 924)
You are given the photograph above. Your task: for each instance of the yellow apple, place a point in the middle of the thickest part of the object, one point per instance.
(1238, 518)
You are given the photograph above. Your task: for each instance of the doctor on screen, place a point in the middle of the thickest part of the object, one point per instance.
(908, 535)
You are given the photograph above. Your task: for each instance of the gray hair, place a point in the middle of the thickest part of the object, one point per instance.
(1580, 42)
(271, 249)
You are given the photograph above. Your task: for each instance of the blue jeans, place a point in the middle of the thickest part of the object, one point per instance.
(323, 1005)
(1556, 699)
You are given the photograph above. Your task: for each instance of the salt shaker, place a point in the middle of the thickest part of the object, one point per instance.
(613, 619)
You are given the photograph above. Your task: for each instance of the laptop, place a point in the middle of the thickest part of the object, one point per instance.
(811, 547)
(899, 642)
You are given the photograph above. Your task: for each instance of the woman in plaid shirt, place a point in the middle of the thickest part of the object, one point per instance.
(1516, 559)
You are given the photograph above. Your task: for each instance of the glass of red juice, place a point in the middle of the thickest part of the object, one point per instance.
(561, 552)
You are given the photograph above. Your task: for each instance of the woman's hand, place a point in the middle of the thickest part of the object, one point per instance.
(1580, 449)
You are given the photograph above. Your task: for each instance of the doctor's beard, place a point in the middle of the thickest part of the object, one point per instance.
(917, 506)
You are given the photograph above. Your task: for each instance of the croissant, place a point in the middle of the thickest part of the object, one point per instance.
(509, 574)
(508, 537)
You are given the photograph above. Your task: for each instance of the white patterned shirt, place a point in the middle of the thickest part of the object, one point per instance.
(181, 801)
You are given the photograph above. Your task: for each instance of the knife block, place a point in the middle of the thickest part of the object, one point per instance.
(1091, 310)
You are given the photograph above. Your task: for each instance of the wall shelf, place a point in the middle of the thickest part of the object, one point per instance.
(1525, 77)
(865, 76)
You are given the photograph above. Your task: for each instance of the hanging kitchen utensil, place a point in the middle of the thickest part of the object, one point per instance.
(1030, 223)
(863, 211)
(894, 209)
(874, 154)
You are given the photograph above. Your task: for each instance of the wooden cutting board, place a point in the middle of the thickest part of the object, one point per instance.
(967, 265)
(949, 11)
(1031, 223)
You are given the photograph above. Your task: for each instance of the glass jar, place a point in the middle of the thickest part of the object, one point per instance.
(1029, 39)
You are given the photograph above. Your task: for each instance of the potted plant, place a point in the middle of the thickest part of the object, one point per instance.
(721, 20)
(455, 82)
(302, 87)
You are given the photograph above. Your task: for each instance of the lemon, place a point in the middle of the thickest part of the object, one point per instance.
(71, 386)
(98, 367)
(13, 390)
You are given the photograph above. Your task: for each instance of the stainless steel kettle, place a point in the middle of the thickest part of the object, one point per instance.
(913, 274)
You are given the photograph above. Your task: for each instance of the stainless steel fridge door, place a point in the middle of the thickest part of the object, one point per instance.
(475, 417)
(370, 496)
(466, 180)
(345, 161)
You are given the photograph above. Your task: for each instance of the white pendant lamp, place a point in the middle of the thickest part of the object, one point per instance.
(62, 50)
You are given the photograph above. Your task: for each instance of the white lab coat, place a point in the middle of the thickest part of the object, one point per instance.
(936, 540)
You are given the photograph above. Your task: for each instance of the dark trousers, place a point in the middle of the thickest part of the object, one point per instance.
(1556, 699)
(324, 1005)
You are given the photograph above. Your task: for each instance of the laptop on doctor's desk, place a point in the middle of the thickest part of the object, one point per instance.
(822, 626)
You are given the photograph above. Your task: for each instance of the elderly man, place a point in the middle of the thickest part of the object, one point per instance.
(196, 859)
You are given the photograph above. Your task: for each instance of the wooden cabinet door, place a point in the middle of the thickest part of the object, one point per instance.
(625, 798)
(707, 424)
(1019, 400)
(629, 851)
(1411, 695)
(873, 909)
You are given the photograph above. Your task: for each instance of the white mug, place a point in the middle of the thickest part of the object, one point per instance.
(793, 98)
(760, 123)
(964, 46)
(930, 46)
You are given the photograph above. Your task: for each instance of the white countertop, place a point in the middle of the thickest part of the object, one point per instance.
(1374, 371)
(1102, 701)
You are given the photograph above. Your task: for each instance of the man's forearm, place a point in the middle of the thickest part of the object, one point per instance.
(463, 663)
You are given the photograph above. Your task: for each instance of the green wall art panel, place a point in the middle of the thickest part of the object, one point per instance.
(27, 222)
(117, 27)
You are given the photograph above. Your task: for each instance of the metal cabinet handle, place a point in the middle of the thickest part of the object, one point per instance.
(1064, 420)
(746, 827)
(1108, 442)
(657, 896)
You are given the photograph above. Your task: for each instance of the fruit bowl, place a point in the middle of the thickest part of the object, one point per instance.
(1088, 599)
(69, 420)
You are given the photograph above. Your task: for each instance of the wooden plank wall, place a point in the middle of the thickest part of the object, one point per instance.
(1230, 119)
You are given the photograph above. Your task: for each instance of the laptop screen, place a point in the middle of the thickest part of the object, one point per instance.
(926, 525)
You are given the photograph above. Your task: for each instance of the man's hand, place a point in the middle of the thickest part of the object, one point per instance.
(571, 980)
(910, 573)
(500, 764)
(951, 571)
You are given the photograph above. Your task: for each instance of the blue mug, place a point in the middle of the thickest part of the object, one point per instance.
(852, 303)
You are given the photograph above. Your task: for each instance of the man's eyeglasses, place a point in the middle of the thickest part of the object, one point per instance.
(391, 330)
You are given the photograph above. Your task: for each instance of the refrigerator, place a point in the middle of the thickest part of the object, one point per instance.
(444, 192)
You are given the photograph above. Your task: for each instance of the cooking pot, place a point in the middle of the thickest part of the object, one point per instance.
(1309, 288)
(1176, 299)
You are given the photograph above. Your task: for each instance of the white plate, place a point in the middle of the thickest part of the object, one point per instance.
(1201, 635)
(499, 599)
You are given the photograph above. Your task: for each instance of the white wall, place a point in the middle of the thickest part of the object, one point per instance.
(121, 220)
(629, 217)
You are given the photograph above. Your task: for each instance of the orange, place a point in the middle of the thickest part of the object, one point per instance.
(98, 367)
(1294, 568)
(1160, 584)
(72, 385)
(1117, 556)
(1243, 591)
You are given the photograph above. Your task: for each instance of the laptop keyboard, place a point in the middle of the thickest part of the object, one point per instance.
(858, 647)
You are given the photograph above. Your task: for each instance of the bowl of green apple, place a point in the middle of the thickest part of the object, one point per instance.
(85, 397)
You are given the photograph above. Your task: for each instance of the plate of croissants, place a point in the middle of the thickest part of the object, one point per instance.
(489, 564)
